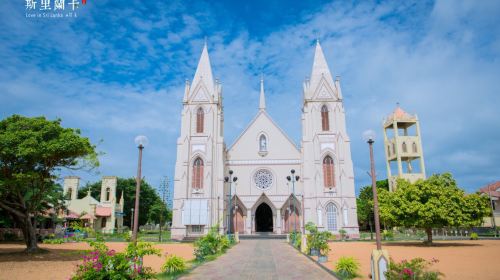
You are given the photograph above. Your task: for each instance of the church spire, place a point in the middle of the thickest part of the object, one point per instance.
(320, 67)
(204, 73)
(262, 100)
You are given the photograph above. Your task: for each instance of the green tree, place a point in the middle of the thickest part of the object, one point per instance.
(159, 212)
(432, 203)
(32, 150)
(148, 198)
(364, 204)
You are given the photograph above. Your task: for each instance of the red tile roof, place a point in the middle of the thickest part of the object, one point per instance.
(103, 211)
(493, 188)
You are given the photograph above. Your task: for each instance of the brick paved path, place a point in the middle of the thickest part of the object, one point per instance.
(260, 259)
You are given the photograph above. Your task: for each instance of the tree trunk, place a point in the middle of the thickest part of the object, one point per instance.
(29, 233)
(429, 235)
(371, 230)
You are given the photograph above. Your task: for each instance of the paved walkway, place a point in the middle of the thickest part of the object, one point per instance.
(260, 259)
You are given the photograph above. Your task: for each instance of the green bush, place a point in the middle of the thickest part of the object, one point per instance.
(343, 233)
(347, 268)
(416, 269)
(212, 244)
(53, 241)
(295, 239)
(474, 236)
(387, 234)
(174, 265)
(102, 263)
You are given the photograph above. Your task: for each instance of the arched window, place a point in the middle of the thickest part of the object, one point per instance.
(389, 150)
(404, 147)
(414, 147)
(325, 123)
(331, 217)
(393, 148)
(69, 193)
(108, 193)
(200, 115)
(198, 174)
(262, 143)
(328, 172)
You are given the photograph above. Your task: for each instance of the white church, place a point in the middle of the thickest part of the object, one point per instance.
(263, 199)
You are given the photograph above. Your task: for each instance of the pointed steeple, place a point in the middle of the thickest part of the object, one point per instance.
(320, 67)
(262, 100)
(203, 74)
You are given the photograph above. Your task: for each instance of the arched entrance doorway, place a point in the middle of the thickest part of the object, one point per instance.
(264, 218)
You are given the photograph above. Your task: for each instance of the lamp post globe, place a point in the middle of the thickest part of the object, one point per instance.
(141, 141)
(369, 136)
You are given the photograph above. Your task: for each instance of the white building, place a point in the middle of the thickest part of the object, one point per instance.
(261, 158)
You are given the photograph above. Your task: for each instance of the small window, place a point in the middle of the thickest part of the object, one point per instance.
(414, 147)
(393, 148)
(404, 147)
(69, 193)
(389, 150)
(328, 172)
(103, 222)
(196, 228)
(108, 193)
(198, 174)
(325, 123)
(262, 143)
(200, 115)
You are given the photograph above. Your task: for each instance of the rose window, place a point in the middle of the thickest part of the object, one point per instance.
(263, 179)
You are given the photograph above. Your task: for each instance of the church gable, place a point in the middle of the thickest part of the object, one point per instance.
(200, 93)
(324, 91)
(263, 139)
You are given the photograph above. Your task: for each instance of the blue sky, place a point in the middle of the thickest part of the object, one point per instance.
(118, 70)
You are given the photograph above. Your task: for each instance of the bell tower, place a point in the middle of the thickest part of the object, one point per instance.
(326, 151)
(199, 166)
(403, 147)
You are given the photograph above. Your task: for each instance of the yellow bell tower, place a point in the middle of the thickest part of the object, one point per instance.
(403, 147)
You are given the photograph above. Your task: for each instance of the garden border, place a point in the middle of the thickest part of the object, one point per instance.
(331, 272)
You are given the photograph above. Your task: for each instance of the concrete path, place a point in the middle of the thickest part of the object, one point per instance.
(260, 259)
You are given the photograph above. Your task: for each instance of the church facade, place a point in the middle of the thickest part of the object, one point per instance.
(280, 186)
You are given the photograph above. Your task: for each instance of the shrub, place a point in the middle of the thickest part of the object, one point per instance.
(416, 269)
(343, 233)
(474, 236)
(387, 234)
(295, 239)
(174, 265)
(347, 268)
(102, 263)
(53, 241)
(211, 244)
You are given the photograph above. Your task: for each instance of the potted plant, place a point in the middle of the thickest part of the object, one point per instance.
(343, 234)
(322, 245)
(312, 239)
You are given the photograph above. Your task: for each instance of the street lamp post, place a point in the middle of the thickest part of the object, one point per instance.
(369, 137)
(379, 257)
(293, 178)
(229, 179)
(141, 141)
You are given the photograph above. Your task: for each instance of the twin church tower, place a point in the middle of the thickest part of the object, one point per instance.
(263, 199)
